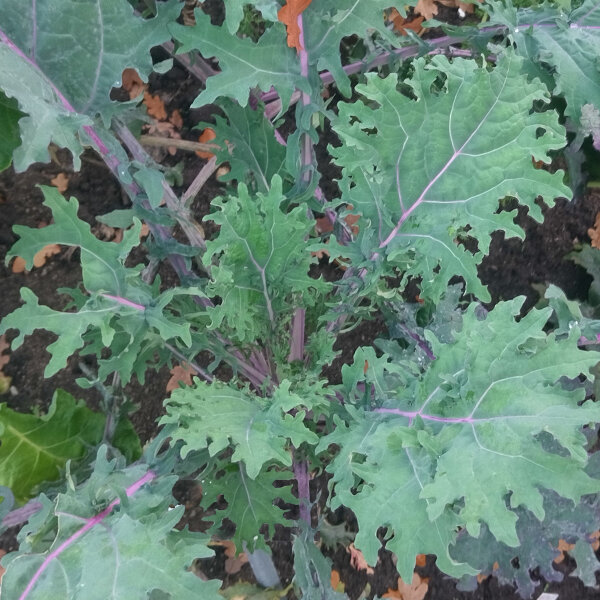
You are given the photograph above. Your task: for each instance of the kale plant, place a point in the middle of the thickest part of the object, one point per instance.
(461, 433)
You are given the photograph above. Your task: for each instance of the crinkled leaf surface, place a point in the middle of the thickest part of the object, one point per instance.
(134, 550)
(479, 434)
(9, 129)
(35, 449)
(244, 65)
(248, 144)
(263, 263)
(216, 415)
(569, 42)
(109, 38)
(417, 180)
(250, 503)
(326, 23)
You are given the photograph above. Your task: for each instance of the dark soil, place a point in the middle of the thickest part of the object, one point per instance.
(511, 269)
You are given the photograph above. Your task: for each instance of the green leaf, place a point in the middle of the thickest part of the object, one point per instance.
(248, 144)
(35, 449)
(568, 42)
(49, 119)
(477, 436)
(234, 12)
(216, 415)
(264, 259)
(312, 570)
(326, 24)
(243, 64)
(135, 546)
(9, 129)
(250, 503)
(102, 262)
(86, 66)
(418, 182)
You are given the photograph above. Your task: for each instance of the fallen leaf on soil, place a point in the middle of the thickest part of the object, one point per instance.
(595, 540)
(145, 230)
(39, 259)
(180, 374)
(336, 582)
(288, 15)
(155, 106)
(563, 548)
(357, 560)
(401, 24)
(427, 8)
(594, 232)
(233, 563)
(132, 83)
(60, 182)
(415, 591)
(2, 569)
(421, 560)
(206, 136)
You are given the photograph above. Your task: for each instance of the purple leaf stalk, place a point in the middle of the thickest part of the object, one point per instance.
(130, 491)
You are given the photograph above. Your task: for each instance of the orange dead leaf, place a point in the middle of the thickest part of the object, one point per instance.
(357, 560)
(132, 83)
(60, 182)
(180, 374)
(401, 24)
(144, 231)
(421, 560)
(594, 232)
(155, 106)
(288, 15)
(426, 8)
(233, 563)
(595, 540)
(415, 591)
(206, 136)
(563, 548)
(39, 258)
(336, 582)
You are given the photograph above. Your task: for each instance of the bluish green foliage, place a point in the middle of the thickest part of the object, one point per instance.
(463, 432)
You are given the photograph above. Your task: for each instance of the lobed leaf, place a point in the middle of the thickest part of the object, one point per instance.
(243, 64)
(9, 129)
(477, 437)
(263, 263)
(418, 182)
(133, 544)
(216, 415)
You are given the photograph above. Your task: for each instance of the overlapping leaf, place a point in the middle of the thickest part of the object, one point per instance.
(121, 309)
(216, 415)
(234, 12)
(251, 503)
(419, 181)
(486, 427)
(243, 64)
(35, 449)
(569, 42)
(9, 129)
(84, 67)
(263, 263)
(326, 24)
(135, 547)
(248, 144)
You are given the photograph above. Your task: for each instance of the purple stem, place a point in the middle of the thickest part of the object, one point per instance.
(410, 415)
(297, 345)
(303, 479)
(124, 302)
(132, 489)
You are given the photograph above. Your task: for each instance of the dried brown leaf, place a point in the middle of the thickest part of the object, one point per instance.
(288, 15)
(180, 374)
(60, 182)
(416, 590)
